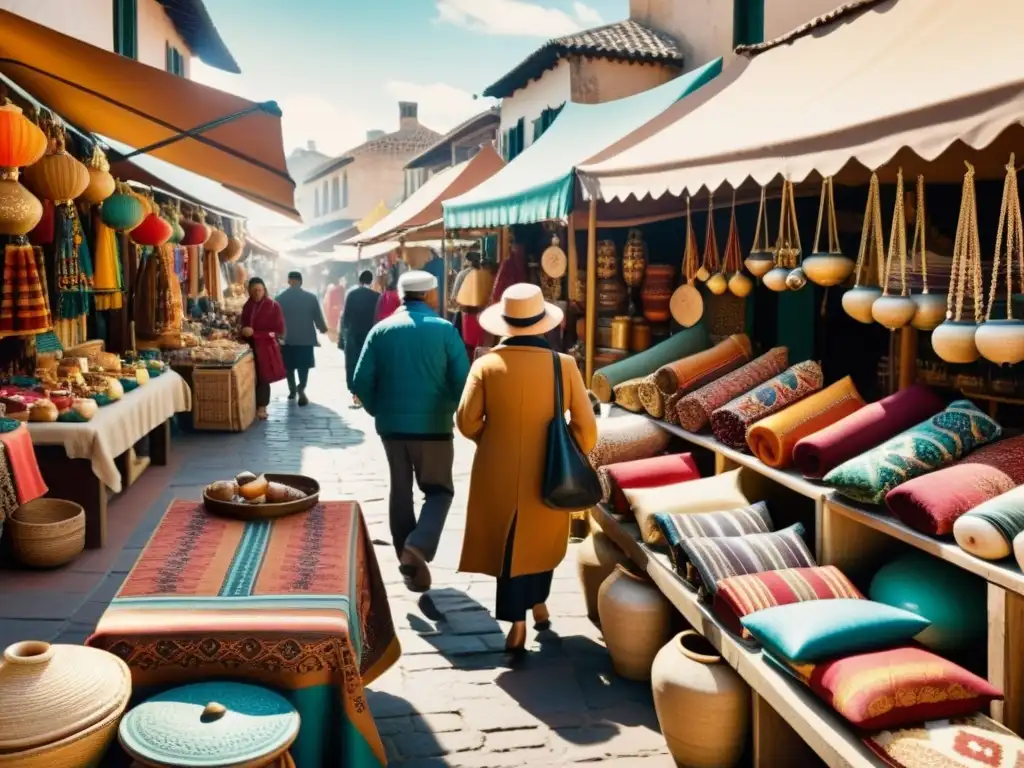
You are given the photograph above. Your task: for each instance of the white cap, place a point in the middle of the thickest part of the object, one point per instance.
(416, 281)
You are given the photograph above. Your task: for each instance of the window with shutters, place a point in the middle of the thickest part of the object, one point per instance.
(175, 61)
(316, 203)
(747, 22)
(344, 190)
(335, 194)
(126, 28)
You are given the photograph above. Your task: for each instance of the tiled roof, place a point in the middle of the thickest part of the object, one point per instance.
(411, 140)
(624, 40)
(442, 147)
(196, 28)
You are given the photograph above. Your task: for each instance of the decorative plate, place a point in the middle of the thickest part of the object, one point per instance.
(242, 511)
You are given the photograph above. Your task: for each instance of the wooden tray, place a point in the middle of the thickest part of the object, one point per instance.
(241, 511)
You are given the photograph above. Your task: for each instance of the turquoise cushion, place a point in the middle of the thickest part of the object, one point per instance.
(826, 629)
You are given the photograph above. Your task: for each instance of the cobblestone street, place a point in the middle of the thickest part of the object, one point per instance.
(450, 701)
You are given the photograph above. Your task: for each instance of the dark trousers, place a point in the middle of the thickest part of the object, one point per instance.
(262, 394)
(429, 462)
(303, 379)
(518, 594)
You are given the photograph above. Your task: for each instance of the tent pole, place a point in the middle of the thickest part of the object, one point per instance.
(591, 306)
(574, 260)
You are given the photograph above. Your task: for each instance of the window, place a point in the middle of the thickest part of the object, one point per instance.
(344, 190)
(175, 61)
(316, 203)
(126, 28)
(335, 194)
(514, 140)
(325, 197)
(747, 22)
(542, 123)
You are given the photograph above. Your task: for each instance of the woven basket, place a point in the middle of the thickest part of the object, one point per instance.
(47, 533)
(86, 349)
(223, 399)
(83, 750)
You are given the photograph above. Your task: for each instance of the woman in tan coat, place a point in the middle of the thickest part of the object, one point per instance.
(506, 408)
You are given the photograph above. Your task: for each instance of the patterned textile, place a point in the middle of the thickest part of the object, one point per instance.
(295, 603)
(819, 454)
(24, 305)
(8, 496)
(693, 411)
(108, 283)
(627, 395)
(931, 504)
(676, 529)
(709, 494)
(772, 439)
(21, 457)
(625, 438)
(646, 473)
(741, 596)
(891, 688)
(694, 371)
(652, 398)
(941, 440)
(713, 559)
(974, 741)
(1005, 516)
(681, 344)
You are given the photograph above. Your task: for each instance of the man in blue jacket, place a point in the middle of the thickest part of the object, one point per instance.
(410, 377)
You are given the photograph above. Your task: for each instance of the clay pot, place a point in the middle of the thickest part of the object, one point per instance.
(953, 341)
(1001, 341)
(740, 285)
(828, 269)
(657, 292)
(775, 280)
(639, 335)
(759, 263)
(634, 259)
(620, 333)
(611, 295)
(893, 311)
(931, 310)
(596, 558)
(20, 210)
(857, 302)
(636, 620)
(603, 333)
(606, 266)
(697, 694)
(717, 284)
(606, 356)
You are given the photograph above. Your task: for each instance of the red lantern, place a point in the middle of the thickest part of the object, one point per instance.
(195, 233)
(152, 231)
(22, 142)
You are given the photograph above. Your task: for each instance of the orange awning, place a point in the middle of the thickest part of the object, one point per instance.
(227, 138)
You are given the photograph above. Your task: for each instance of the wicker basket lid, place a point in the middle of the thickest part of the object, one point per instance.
(57, 691)
(209, 724)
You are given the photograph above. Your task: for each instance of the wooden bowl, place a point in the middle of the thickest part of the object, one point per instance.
(241, 511)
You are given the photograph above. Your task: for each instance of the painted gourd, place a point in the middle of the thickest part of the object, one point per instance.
(954, 341)
(1001, 341)
(20, 210)
(828, 269)
(634, 259)
(606, 267)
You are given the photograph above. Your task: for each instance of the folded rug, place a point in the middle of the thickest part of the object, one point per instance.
(818, 454)
(681, 344)
(988, 530)
(694, 371)
(627, 395)
(693, 411)
(772, 439)
(625, 438)
(934, 443)
(730, 422)
(931, 504)
(646, 473)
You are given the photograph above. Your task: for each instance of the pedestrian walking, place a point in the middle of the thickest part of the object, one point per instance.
(357, 318)
(302, 319)
(334, 304)
(262, 327)
(409, 378)
(506, 409)
(389, 301)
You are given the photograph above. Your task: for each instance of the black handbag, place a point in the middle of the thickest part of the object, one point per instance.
(570, 483)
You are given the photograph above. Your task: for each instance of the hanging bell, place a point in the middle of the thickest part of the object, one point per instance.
(893, 311)
(717, 284)
(740, 285)
(828, 269)
(929, 311)
(954, 341)
(759, 263)
(775, 280)
(858, 301)
(796, 279)
(1001, 341)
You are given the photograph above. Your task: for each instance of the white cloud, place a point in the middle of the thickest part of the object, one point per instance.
(516, 17)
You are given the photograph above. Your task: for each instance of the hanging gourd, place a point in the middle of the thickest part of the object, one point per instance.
(22, 142)
(123, 210)
(776, 279)
(233, 250)
(716, 281)
(101, 183)
(1002, 341)
(833, 266)
(739, 284)
(760, 260)
(895, 311)
(217, 240)
(154, 230)
(857, 301)
(195, 231)
(954, 339)
(793, 253)
(171, 214)
(930, 307)
(57, 175)
(687, 304)
(20, 210)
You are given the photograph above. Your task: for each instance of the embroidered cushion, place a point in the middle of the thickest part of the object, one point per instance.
(895, 687)
(716, 558)
(815, 631)
(647, 473)
(676, 528)
(709, 494)
(625, 438)
(741, 596)
(974, 741)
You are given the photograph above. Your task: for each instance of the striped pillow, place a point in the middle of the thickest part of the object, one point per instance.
(677, 528)
(713, 559)
(740, 596)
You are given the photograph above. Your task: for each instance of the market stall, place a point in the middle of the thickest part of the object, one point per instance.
(222, 377)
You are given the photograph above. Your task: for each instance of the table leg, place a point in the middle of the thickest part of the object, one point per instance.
(73, 480)
(160, 444)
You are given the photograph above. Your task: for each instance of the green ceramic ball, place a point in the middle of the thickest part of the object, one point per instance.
(954, 600)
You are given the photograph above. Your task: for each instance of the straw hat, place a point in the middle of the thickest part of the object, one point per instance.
(522, 312)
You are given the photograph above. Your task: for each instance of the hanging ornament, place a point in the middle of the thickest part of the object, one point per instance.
(154, 231)
(217, 241)
(930, 307)
(857, 301)
(123, 210)
(101, 183)
(715, 280)
(607, 261)
(25, 304)
(739, 284)
(1002, 341)
(785, 261)
(20, 210)
(895, 311)
(686, 304)
(171, 215)
(233, 250)
(57, 175)
(553, 261)
(760, 260)
(634, 259)
(831, 267)
(22, 142)
(954, 339)
(796, 279)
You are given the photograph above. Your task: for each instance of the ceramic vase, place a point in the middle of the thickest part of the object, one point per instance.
(893, 312)
(857, 302)
(596, 558)
(775, 280)
(1001, 341)
(697, 694)
(828, 269)
(953, 341)
(740, 285)
(635, 621)
(931, 310)
(611, 295)
(606, 267)
(657, 292)
(634, 259)
(759, 263)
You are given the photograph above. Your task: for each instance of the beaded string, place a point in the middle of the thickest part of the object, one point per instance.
(919, 233)
(897, 241)
(870, 234)
(966, 253)
(1014, 229)
(690, 266)
(711, 260)
(827, 198)
(762, 223)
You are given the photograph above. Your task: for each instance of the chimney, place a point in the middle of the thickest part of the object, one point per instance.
(311, 145)
(374, 134)
(408, 114)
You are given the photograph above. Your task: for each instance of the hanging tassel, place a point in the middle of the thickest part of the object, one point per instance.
(24, 308)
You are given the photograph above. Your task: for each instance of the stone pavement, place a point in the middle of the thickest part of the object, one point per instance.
(450, 701)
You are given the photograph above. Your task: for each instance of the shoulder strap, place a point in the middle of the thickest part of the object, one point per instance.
(559, 406)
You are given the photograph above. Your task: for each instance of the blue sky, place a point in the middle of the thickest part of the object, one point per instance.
(339, 67)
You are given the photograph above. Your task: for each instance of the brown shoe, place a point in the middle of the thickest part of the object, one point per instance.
(541, 617)
(414, 570)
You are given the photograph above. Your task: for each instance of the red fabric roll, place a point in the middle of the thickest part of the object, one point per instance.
(649, 473)
(818, 454)
(932, 503)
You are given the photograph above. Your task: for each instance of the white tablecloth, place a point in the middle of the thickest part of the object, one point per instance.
(117, 427)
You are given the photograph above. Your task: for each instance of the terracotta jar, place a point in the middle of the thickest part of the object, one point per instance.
(696, 694)
(635, 620)
(611, 295)
(639, 335)
(657, 292)
(606, 266)
(596, 558)
(634, 259)
(620, 333)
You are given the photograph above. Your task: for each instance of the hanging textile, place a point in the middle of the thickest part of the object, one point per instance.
(170, 306)
(194, 257)
(211, 276)
(73, 281)
(108, 281)
(24, 306)
(146, 291)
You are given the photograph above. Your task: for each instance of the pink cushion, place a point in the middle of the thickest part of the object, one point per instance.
(649, 473)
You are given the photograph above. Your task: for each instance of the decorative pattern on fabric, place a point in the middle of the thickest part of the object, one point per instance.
(741, 596)
(693, 411)
(651, 398)
(934, 443)
(974, 741)
(734, 522)
(24, 306)
(710, 560)
(895, 687)
(642, 364)
(708, 494)
(627, 395)
(932, 503)
(730, 422)
(646, 473)
(8, 496)
(626, 438)
(694, 371)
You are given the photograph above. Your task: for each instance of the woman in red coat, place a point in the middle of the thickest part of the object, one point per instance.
(262, 325)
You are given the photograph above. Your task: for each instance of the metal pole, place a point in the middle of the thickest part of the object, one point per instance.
(591, 308)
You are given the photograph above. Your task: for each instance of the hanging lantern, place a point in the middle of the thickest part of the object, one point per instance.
(195, 232)
(22, 142)
(686, 304)
(954, 339)
(20, 210)
(44, 230)
(148, 206)
(895, 311)
(930, 308)
(171, 215)
(1002, 341)
(715, 280)
(218, 239)
(153, 231)
(831, 267)
(101, 183)
(857, 301)
(760, 260)
(232, 251)
(58, 176)
(787, 247)
(738, 283)
(123, 210)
